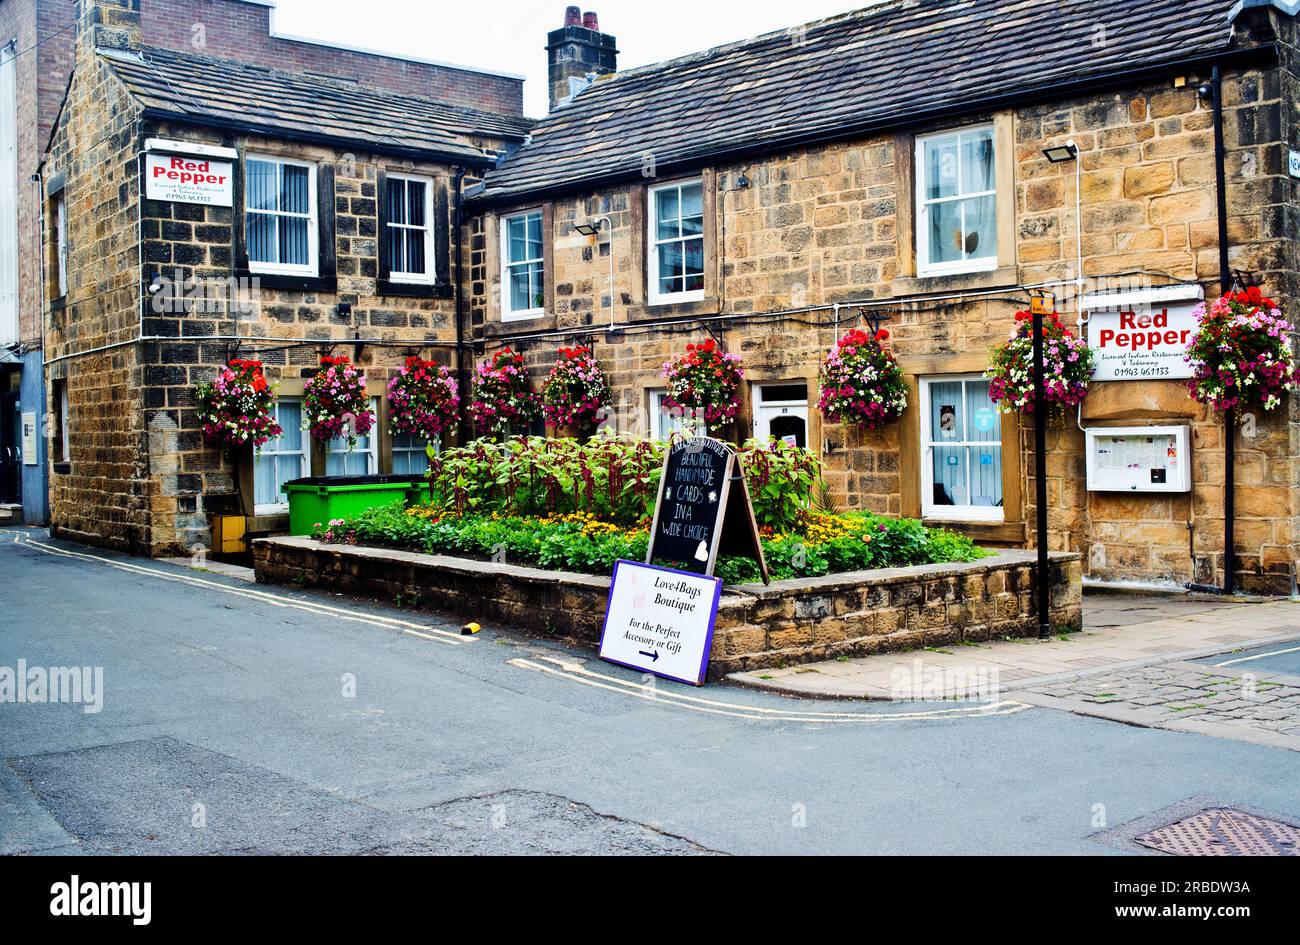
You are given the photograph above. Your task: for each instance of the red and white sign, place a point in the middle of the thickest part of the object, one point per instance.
(182, 179)
(1142, 344)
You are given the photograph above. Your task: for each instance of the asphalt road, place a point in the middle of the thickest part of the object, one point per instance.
(238, 718)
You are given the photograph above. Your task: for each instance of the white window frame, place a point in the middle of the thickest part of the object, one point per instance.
(655, 397)
(653, 243)
(923, 204)
(61, 242)
(954, 513)
(509, 314)
(371, 452)
(271, 449)
(313, 220)
(65, 448)
(394, 449)
(430, 264)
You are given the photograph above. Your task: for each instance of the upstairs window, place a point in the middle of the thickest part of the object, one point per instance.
(523, 272)
(281, 216)
(956, 197)
(409, 228)
(676, 257)
(61, 245)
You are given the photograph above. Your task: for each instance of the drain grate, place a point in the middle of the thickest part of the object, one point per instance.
(1221, 831)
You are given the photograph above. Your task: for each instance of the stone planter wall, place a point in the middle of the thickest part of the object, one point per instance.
(797, 621)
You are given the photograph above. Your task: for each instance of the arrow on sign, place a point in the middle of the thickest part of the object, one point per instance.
(654, 657)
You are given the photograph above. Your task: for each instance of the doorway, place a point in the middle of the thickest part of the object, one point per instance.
(781, 411)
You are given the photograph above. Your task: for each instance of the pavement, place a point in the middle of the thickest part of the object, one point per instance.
(233, 718)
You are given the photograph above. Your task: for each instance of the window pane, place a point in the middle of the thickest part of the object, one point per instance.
(692, 210)
(396, 249)
(266, 485)
(946, 237)
(668, 214)
(986, 476)
(261, 238)
(519, 289)
(293, 241)
(415, 202)
(261, 185)
(293, 189)
(693, 264)
(947, 421)
(980, 231)
(977, 162)
(983, 425)
(414, 251)
(396, 201)
(534, 225)
(516, 239)
(289, 414)
(940, 168)
(950, 476)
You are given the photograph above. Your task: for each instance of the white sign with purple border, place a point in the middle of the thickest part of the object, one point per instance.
(660, 621)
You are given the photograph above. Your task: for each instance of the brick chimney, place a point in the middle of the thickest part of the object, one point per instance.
(108, 24)
(576, 53)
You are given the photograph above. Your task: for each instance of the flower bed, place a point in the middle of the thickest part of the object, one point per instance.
(817, 544)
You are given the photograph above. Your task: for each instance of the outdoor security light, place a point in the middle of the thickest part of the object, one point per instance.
(1060, 153)
(587, 229)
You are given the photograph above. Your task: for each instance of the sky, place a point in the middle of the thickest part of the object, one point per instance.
(510, 35)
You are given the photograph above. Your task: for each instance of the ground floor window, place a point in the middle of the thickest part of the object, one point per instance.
(665, 421)
(281, 460)
(360, 458)
(781, 411)
(961, 459)
(409, 454)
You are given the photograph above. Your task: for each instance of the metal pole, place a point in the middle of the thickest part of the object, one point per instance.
(1225, 286)
(1042, 579)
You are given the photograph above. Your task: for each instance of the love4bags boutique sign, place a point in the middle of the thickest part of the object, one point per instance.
(1144, 334)
(189, 172)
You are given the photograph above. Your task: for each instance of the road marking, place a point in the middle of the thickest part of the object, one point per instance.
(1258, 656)
(576, 672)
(311, 607)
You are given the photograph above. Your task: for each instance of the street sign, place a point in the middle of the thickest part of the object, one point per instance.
(660, 621)
(1293, 163)
(703, 508)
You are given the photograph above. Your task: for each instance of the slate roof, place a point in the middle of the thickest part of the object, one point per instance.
(302, 106)
(888, 65)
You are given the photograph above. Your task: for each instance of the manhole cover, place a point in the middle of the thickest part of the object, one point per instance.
(1221, 831)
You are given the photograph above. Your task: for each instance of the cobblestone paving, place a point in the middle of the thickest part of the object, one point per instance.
(1229, 703)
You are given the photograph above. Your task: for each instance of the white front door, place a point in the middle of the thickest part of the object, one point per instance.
(781, 411)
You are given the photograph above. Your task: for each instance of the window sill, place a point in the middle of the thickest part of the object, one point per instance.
(63, 469)
(413, 290)
(498, 328)
(280, 280)
(1000, 278)
(1005, 532)
(646, 311)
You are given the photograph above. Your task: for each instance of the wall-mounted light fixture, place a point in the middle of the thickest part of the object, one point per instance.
(592, 228)
(1060, 153)
(587, 229)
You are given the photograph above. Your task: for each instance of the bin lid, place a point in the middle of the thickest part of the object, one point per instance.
(316, 482)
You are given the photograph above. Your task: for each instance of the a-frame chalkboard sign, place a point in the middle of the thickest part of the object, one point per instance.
(703, 508)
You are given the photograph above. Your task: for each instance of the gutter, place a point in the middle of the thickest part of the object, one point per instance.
(430, 154)
(917, 119)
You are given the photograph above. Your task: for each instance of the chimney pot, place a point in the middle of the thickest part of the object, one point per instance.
(591, 22)
(572, 16)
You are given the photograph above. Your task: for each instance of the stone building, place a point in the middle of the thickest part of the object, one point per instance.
(148, 292)
(927, 165)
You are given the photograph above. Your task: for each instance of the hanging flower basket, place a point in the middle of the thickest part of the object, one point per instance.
(236, 407)
(576, 392)
(503, 396)
(1068, 367)
(704, 384)
(422, 400)
(1241, 355)
(335, 403)
(861, 383)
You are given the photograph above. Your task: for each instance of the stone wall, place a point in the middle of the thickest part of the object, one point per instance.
(757, 627)
(793, 232)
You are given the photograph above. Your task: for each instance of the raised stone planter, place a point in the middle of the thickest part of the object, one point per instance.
(852, 614)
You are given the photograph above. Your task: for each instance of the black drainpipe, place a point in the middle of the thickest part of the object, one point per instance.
(1215, 93)
(462, 376)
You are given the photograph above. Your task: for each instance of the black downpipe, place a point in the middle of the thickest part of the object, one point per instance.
(462, 374)
(1225, 286)
(1043, 578)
